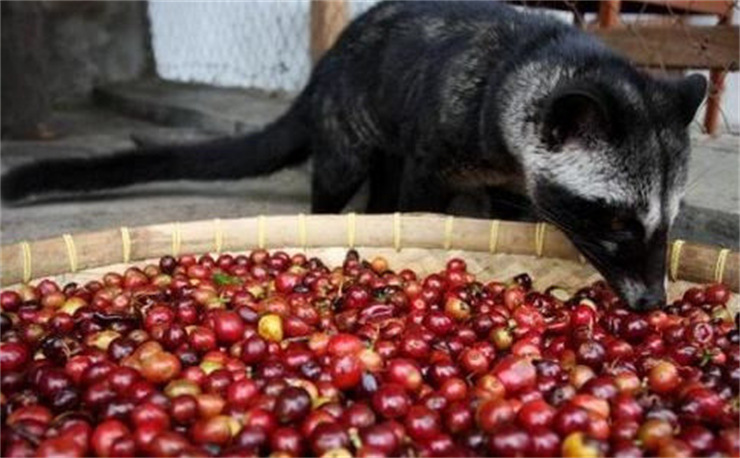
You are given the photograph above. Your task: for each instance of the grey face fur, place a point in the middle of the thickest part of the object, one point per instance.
(615, 178)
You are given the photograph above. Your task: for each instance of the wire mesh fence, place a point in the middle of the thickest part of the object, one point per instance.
(271, 45)
(259, 44)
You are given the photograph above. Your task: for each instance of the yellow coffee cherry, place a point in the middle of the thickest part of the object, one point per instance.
(210, 366)
(181, 386)
(270, 327)
(102, 339)
(337, 453)
(379, 264)
(577, 446)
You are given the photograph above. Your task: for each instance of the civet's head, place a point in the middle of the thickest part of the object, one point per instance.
(605, 153)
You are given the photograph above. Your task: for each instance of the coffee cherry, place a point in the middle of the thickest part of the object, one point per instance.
(591, 353)
(580, 446)
(344, 344)
(654, 433)
(536, 413)
(13, 356)
(493, 414)
(698, 438)
(515, 373)
(695, 296)
(569, 419)
(422, 423)
(438, 323)
(391, 401)
(287, 440)
(272, 354)
(270, 328)
(457, 309)
(105, 435)
(346, 371)
(327, 437)
(215, 430)
(292, 405)
(381, 437)
(160, 367)
(458, 418)
(510, 441)
(663, 377)
(228, 326)
(635, 328)
(474, 361)
(715, 294)
(405, 372)
(10, 301)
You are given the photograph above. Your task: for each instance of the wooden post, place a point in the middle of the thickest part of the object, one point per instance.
(716, 87)
(328, 18)
(609, 13)
(578, 15)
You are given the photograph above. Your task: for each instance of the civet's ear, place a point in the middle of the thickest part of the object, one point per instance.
(691, 92)
(575, 115)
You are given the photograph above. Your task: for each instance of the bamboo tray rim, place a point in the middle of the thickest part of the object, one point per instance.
(70, 253)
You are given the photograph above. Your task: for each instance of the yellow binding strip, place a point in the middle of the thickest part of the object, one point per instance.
(261, 232)
(719, 268)
(26, 256)
(449, 225)
(71, 252)
(218, 236)
(493, 236)
(126, 244)
(302, 233)
(397, 231)
(539, 238)
(351, 229)
(675, 259)
(176, 239)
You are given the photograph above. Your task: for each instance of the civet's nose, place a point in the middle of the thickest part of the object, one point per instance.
(650, 298)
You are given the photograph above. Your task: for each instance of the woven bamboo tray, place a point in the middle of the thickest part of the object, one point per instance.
(493, 249)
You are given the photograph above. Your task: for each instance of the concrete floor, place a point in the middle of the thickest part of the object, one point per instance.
(710, 213)
(93, 131)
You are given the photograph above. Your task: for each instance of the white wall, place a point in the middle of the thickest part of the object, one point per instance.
(264, 44)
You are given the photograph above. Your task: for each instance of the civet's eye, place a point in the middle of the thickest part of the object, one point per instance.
(618, 224)
(624, 228)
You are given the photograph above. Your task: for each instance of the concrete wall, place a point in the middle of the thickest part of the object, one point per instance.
(72, 46)
(91, 43)
(54, 53)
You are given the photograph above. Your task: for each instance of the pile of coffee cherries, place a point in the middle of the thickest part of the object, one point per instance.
(277, 355)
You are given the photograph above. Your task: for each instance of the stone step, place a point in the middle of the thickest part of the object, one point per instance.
(212, 109)
(711, 209)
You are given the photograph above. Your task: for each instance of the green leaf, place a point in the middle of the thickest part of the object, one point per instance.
(223, 279)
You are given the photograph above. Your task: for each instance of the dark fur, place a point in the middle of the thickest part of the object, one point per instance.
(418, 98)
